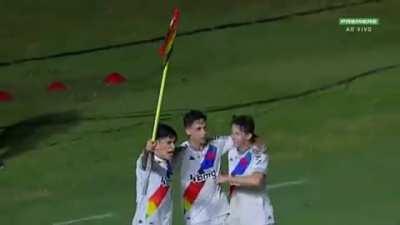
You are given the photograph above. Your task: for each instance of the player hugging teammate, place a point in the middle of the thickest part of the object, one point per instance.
(200, 161)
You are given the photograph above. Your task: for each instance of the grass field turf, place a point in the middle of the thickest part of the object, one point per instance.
(77, 160)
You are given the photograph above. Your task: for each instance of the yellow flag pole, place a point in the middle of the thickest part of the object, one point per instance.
(165, 51)
(159, 103)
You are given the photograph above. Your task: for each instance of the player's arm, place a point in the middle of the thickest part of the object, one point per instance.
(150, 146)
(223, 143)
(256, 179)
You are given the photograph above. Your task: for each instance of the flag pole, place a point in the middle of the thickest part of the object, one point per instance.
(165, 52)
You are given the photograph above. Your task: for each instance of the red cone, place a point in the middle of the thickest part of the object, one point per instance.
(5, 96)
(114, 79)
(56, 86)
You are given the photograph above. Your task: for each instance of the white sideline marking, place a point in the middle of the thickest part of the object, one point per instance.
(94, 217)
(286, 184)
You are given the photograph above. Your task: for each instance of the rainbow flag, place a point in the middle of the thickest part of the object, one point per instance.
(240, 168)
(165, 53)
(193, 189)
(166, 48)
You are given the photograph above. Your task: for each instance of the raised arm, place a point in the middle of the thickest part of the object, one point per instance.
(147, 152)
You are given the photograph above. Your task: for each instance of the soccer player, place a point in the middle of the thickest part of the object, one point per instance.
(153, 192)
(203, 200)
(249, 203)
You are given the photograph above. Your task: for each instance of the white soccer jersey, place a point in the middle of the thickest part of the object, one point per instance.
(249, 205)
(203, 198)
(153, 207)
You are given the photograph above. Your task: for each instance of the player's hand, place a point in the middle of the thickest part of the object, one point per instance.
(150, 145)
(223, 178)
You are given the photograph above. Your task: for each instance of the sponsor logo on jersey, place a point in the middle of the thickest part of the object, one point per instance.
(204, 176)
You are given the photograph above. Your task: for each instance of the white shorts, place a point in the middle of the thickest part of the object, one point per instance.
(252, 212)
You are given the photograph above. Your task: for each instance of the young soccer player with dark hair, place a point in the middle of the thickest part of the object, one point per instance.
(204, 201)
(153, 188)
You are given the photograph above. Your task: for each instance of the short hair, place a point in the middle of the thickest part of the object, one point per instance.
(164, 131)
(191, 116)
(245, 124)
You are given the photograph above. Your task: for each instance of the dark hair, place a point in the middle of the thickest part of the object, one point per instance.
(191, 116)
(164, 131)
(246, 124)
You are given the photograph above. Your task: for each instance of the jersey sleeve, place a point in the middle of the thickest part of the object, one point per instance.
(140, 173)
(261, 163)
(223, 143)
